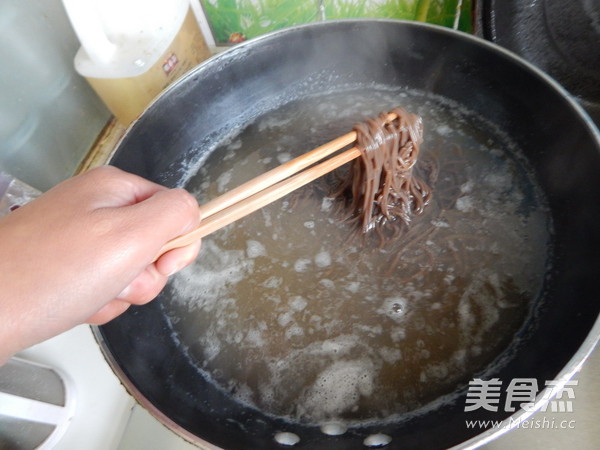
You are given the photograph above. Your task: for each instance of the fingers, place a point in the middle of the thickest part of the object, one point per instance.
(166, 212)
(139, 218)
(153, 215)
(145, 286)
(160, 218)
(105, 187)
(175, 260)
(90, 242)
(172, 212)
(148, 284)
(108, 312)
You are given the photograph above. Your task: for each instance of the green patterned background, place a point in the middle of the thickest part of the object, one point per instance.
(232, 21)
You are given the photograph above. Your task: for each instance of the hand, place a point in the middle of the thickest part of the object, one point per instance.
(83, 252)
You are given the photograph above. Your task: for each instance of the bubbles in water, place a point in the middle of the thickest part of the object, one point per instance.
(394, 308)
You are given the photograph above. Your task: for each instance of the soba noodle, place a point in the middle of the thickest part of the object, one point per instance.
(382, 185)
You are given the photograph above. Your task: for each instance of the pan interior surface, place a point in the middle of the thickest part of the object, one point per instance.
(554, 166)
(295, 313)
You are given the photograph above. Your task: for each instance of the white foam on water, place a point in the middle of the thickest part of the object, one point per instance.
(235, 145)
(439, 223)
(284, 319)
(353, 286)
(327, 283)
(397, 334)
(368, 330)
(390, 355)
(208, 277)
(465, 204)
(272, 282)
(223, 181)
(339, 388)
(340, 345)
(294, 331)
(438, 371)
(255, 249)
(273, 122)
(298, 303)
(443, 130)
(323, 259)
(283, 157)
(326, 204)
(254, 338)
(302, 264)
(467, 187)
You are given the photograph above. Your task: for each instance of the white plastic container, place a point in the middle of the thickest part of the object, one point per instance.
(132, 49)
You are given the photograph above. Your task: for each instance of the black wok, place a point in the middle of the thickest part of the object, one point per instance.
(233, 88)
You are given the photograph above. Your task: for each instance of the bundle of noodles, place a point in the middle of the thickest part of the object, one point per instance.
(381, 185)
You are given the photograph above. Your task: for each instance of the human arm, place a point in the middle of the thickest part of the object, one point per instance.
(83, 252)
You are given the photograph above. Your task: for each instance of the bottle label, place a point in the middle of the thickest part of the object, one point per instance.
(128, 97)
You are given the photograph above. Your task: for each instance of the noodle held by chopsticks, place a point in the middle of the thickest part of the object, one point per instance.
(381, 183)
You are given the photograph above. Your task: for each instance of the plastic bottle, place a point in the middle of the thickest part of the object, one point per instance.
(132, 49)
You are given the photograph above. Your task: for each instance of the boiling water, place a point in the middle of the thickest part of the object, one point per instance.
(291, 312)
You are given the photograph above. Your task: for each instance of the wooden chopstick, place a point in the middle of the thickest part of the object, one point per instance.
(267, 188)
(275, 175)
